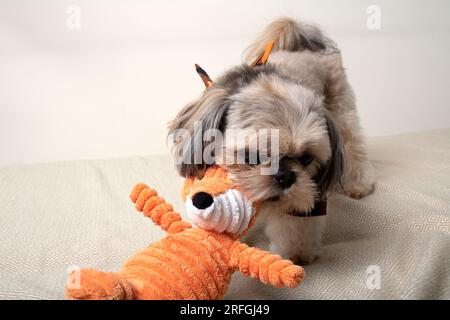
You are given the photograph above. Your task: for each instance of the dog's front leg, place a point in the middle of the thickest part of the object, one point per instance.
(358, 178)
(296, 238)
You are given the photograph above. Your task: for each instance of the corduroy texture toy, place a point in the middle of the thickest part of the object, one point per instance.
(190, 262)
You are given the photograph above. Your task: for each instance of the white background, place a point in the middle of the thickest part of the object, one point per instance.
(109, 89)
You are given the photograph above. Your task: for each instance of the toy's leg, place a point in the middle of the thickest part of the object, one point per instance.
(156, 208)
(90, 284)
(270, 269)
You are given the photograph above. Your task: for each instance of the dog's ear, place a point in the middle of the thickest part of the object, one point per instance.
(329, 176)
(205, 113)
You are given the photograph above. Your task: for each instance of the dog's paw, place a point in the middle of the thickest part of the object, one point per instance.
(360, 183)
(360, 191)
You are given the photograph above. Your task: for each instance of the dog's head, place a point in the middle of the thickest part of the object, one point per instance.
(309, 151)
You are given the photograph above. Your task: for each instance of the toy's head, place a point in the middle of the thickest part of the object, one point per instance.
(214, 203)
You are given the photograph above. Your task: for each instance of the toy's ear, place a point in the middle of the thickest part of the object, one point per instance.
(192, 125)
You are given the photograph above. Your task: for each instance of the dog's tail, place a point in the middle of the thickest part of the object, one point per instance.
(291, 35)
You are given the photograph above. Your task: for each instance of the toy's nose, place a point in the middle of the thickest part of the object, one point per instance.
(202, 200)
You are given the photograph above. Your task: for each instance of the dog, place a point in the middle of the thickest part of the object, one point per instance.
(303, 92)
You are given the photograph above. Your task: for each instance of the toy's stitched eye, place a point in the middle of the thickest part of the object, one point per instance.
(306, 159)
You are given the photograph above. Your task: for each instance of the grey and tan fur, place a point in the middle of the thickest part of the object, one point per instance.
(303, 92)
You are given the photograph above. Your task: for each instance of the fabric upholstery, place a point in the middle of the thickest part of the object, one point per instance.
(57, 215)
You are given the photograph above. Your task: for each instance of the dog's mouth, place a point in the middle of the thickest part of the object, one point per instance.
(320, 209)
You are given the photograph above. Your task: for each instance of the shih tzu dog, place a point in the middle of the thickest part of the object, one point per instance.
(299, 87)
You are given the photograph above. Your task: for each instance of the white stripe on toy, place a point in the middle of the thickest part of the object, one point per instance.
(230, 212)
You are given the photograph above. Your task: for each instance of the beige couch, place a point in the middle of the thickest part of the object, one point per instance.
(57, 215)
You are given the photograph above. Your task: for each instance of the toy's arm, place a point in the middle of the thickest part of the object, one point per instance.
(156, 208)
(268, 268)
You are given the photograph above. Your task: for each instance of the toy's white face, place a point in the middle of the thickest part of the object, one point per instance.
(228, 212)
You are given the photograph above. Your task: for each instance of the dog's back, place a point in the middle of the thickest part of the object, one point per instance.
(302, 52)
(291, 35)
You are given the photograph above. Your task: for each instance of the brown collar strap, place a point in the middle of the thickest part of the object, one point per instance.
(320, 209)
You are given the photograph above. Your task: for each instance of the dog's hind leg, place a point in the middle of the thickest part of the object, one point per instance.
(358, 176)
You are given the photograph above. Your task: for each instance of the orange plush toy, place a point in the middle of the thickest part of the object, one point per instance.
(190, 262)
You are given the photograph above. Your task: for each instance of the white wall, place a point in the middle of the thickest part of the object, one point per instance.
(109, 89)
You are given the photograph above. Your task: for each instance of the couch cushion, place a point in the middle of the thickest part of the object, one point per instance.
(58, 215)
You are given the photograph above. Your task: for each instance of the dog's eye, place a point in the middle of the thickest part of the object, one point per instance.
(306, 159)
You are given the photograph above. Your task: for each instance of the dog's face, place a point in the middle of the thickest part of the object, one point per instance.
(308, 151)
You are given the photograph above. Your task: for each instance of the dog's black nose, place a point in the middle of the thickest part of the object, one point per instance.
(285, 179)
(202, 200)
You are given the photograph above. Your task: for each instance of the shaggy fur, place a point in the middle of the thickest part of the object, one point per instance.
(303, 92)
